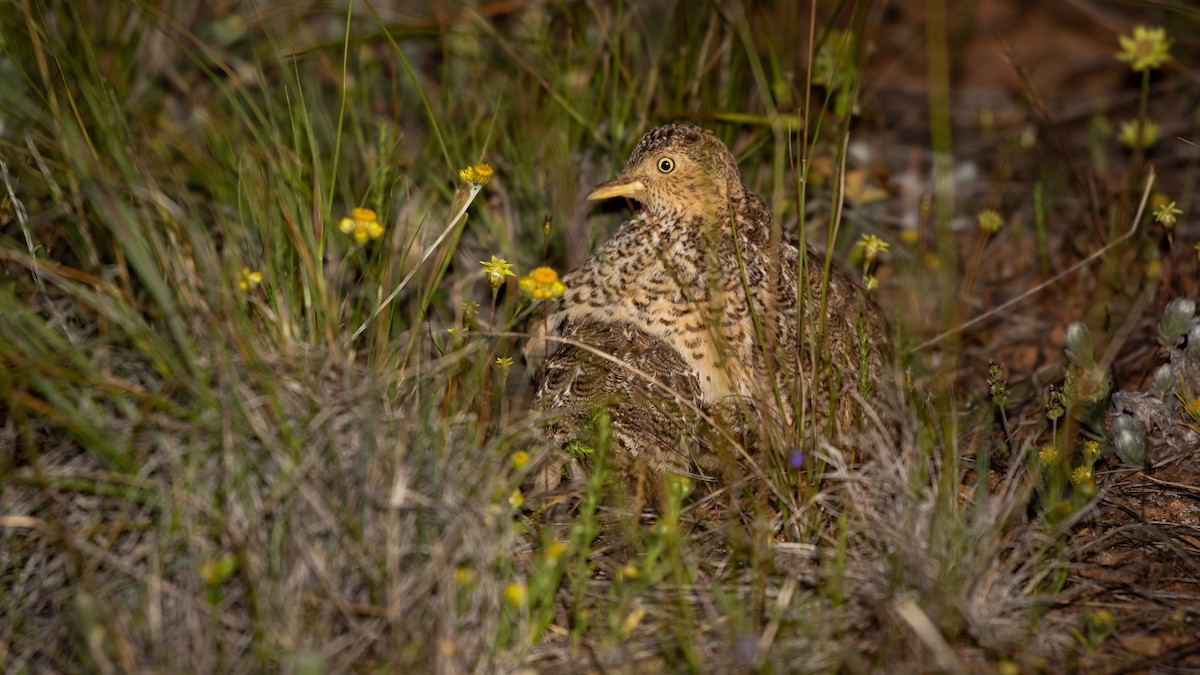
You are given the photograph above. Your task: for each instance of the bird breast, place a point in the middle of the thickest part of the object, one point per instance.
(661, 289)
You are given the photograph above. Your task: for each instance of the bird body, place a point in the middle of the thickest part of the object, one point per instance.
(698, 284)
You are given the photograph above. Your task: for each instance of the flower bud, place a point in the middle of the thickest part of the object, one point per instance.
(1176, 320)
(1080, 351)
(1193, 344)
(1129, 440)
(1164, 379)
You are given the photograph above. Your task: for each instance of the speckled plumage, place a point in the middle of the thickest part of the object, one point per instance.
(667, 296)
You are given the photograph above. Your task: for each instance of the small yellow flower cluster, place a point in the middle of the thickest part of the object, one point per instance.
(990, 221)
(1146, 49)
(1007, 667)
(1154, 268)
(496, 270)
(1138, 134)
(632, 621)
(216, 571)
(520, 458)
(516, 499)
(1101, 617)
(362, 224)
(249, 279)
(1081, 475)
(542, 283)
(872, 247)
(516, 594)
(1048, 453)
(1166, 215)
(628, 572)
(679, 486)
(479, 174)
(556, 549)
(503, 363)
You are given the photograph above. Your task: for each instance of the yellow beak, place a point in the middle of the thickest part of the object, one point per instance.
(617, 187)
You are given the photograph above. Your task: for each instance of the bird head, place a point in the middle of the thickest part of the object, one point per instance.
(678, 171)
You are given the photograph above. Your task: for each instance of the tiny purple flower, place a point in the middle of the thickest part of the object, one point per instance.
(796, 458)
(745, 650)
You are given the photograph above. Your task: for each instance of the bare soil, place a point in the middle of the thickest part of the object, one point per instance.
(1048, 71)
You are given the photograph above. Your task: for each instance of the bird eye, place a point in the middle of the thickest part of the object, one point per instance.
(666, 165)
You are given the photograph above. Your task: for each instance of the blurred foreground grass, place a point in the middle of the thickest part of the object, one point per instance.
(236, 438)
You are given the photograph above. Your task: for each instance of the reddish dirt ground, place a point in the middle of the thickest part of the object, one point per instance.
(1032, 83)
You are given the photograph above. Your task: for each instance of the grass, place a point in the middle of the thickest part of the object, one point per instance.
(314, 474)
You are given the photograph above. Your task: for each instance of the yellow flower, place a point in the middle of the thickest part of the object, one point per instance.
(630, 623)
(1154, 268)
(990, 221)
(542, 283)
(362, 224)
(516, 499)
(479, 174)
(517, 594)
(679, 486)
(1138, 136)
(1081, 474)
(872, 246)
(1146, 49)
(1029, 137)
(464, 575)
(470, 310)
(627, 572)
(1048, 453)
(556, 549)
(504, 363)
(249, 279)
(1101, 617)
(496, 270)
(217, 570)
(870, 283)
(520, 458)
(1091, 450)
(1165, 215)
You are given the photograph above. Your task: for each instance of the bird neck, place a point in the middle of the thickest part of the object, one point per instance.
(701, 206)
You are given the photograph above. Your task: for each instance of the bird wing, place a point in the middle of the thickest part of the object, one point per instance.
(645, 418)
